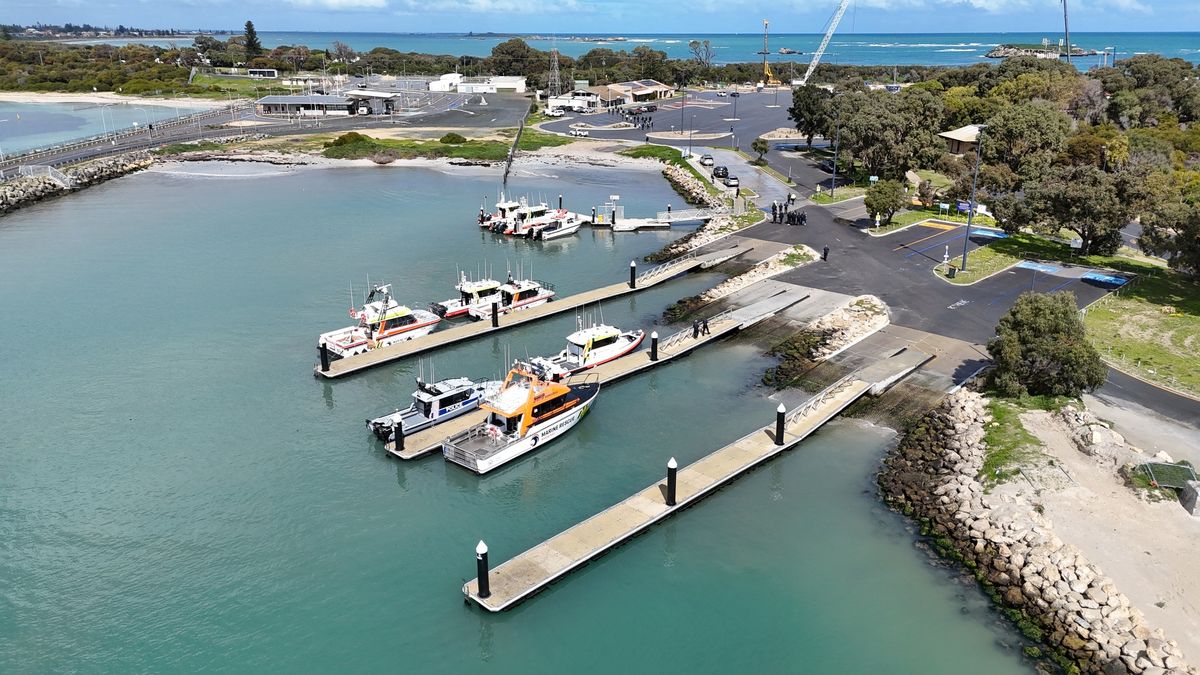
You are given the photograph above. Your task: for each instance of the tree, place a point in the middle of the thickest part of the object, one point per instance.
(702, 51)
(1089, 202)
(885, 198)
(760, 146)
(1026, 137)
(253, 46)
(342, 52)
(810, 111)
(1172, 230)
(1040, 349)
(926, 194)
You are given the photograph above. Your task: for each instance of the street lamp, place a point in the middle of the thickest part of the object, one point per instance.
(691, 128)
(146, 116)
(971, 204)
(837, 142)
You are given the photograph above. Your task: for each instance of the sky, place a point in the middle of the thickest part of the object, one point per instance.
(614, 16)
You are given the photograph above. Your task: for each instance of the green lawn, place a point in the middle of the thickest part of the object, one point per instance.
(840, 195)
(357, 146)
(669, 155)
(216, 87)
(1003, 253)
(938, 180)
(913, 216)
(1008, 442)
(1131, 330)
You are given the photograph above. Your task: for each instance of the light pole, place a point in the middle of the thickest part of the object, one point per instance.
(971, 204)
(691, 128)
(146, 116)
(837, 142)
(1, 146)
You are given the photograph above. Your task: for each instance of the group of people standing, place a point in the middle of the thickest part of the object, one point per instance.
(638, 121)
(781, 212)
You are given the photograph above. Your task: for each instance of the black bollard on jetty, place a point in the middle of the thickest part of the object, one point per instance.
(654, 346)
(495, 315)
(633, 274)
(560, 202)
(780, 414)
(398, 436)
(481, 570)
(324, 349)
(672, 469)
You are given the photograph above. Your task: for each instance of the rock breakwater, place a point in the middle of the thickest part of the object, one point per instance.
(27, 190)
(1047, 586)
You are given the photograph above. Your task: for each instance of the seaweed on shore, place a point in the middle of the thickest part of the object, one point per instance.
(682, 307)
(795, 357)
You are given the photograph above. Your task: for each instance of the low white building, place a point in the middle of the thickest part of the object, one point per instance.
(446, 83)
(575, 98)
(493, 84)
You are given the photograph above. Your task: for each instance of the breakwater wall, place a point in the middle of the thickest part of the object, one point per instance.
(26, 190)
(1045, 585)
(691, 188)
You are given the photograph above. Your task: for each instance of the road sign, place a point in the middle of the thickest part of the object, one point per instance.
(874, 179)
(943, 206)
(1077, 243)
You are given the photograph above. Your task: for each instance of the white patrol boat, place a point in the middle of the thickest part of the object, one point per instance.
(504, 213)
(381, 322)
(434, 403)
(588, 348)
(560, 224)
(524, 215)
(478, 293)
(526, 413)
(515, 295)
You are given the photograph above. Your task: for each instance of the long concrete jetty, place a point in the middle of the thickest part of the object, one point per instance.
(469, 331)
(531, 571)
(721, 325)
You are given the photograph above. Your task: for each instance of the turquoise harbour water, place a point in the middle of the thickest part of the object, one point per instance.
(930, 49)
(178, 492)
(30, 126)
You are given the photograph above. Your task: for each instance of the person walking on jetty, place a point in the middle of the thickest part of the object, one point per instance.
(695, 328)
(704, 327)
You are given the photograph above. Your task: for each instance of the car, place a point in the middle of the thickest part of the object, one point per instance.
(578, 132)
(706, 160)
(722, 94)
(734, 94)
(731, 181)
(555, 112)
(649, 108)
(720, 171)
(827, 166)
(580, 109)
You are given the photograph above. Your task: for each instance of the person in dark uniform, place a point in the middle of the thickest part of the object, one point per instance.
(695, 328)
(704, 327)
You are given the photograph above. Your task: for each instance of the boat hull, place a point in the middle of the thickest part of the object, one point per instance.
(474, 451)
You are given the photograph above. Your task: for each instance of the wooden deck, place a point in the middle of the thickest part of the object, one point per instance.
(531, 571)
(467, 331)
(670, 347)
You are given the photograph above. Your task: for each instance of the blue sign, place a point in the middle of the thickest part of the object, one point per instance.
(964, 206)
(1105, 278)
(1039, 267)
(993, 234)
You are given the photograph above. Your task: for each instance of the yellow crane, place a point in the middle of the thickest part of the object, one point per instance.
(769, 78)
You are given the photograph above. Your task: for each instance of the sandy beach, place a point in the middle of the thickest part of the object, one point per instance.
(106, 97)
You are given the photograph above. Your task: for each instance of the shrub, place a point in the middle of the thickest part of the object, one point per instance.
(1040, 349)
(453, 139)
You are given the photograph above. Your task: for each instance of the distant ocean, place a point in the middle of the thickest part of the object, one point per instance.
(930, 49)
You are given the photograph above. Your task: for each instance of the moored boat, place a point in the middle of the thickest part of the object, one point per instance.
(525, 414)
(434, 403)
(588, 348)
(381, 322)
(559, 226)
(471, 293)
(516, 295)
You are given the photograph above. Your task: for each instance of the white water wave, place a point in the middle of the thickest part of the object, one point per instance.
(926, 45)
(957, 50)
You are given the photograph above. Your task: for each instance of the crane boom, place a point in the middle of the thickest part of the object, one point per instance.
(833, 24)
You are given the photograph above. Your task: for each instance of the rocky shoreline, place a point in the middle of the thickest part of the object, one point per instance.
(1046, 586)
(26, 190)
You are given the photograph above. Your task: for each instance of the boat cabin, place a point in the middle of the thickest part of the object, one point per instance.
(432, 398)
(516, 292)
(471, 292)
(525, 399)
(583, 341)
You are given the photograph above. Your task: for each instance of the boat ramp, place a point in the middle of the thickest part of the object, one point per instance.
(533, 570)
(468, 331)
(660, 351)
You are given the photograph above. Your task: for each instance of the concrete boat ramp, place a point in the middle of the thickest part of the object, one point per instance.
(468, 331)
(673, 346)
(531, 571)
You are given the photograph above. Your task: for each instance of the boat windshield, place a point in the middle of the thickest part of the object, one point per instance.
(574, 349)
(508, 425)
(425, 408)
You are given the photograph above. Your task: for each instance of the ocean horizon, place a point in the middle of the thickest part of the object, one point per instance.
(886, 49)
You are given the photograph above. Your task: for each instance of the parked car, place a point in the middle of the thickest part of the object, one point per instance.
(555, 112)
(827, 165)
(706, 160)
(734, 94)
(650, 108)
(720, 171)
(577, 132)
(731, 181)
(722, 94)
(580, 109)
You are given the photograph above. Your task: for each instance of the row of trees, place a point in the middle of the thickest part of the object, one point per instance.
(1060, 149)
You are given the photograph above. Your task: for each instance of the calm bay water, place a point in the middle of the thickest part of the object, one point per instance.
(177, 491)
(28, 126)
(930, 49)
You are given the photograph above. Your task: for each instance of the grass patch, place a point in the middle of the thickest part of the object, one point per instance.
(216, 87)
(750, 217)
(1140, 479)
(180, 148)
(796, 256)
(669, 155)
(1131, 330)
(353, 145)
(913, 216)
(940, 181)
(1008, 442)
(840, 195)
(1003, 253)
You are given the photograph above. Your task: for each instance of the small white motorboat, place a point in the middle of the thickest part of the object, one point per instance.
(559, 226)
(381, 322)
(588, 348)
(516, 295)
(434, 403)
(471, 293)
